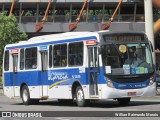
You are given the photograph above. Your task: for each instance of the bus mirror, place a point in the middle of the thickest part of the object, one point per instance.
(99, 50)
(154, 67)
(151, 46)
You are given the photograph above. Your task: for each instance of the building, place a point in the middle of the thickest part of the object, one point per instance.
(130, 16)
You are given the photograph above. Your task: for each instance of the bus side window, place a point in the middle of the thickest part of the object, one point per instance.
(56, 55)
(31, 58)
(75, 54)
(6, 61)
(60, 55)
(21, 59)
(63, 61)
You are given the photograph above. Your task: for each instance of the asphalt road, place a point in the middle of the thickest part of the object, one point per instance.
(152, 105)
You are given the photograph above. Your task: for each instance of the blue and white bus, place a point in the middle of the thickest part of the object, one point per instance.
(80, 66)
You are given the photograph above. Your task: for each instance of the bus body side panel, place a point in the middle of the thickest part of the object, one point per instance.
(60, 92)
(101, 81)
(8, 91)
(60, 81)
(35, 91)
(31, 79)
(8, 84)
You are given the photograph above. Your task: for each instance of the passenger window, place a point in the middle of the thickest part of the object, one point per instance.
(75, 57)
(6, 61)
(21, 59)
(31, 58)
(60, 55)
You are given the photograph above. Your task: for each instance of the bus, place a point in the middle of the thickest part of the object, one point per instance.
(80, 67)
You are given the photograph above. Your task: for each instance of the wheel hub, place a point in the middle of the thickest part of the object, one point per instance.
(25, 95)
(80, 95)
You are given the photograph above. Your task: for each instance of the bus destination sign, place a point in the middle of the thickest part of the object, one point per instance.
(124, 38)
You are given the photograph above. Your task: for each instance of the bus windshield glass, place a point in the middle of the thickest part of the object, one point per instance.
(126, 59)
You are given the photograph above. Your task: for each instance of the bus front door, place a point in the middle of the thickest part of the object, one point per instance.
(44, 78)
(93, 70)
(14, 75)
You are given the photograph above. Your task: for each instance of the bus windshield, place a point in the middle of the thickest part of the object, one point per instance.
(126, 59)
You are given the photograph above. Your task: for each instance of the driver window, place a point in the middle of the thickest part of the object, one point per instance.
(110, 56)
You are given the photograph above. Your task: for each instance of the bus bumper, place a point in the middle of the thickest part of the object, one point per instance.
(109, 92)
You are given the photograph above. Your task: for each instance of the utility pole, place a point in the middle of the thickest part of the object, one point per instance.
(149, 23)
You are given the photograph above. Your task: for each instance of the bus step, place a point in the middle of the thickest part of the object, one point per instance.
(15, 97)
(44, 97)
(94, 96)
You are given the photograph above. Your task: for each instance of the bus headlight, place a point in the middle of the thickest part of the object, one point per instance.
(109, 83)
(151, 80)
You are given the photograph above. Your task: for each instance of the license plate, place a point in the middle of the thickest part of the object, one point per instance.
(131, 93)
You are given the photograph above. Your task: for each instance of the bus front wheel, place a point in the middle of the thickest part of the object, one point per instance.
(123, 101)
(81, 102)
(26, 96)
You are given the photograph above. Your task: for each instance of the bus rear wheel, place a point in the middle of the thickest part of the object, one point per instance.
(81, 102)
(123, 101)
(26, 96)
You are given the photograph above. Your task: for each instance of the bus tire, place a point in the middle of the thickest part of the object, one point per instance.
(123, 101)
(26, 96)
(81, 102)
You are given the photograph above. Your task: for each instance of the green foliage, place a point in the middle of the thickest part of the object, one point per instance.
(1, 82)
(9, 33)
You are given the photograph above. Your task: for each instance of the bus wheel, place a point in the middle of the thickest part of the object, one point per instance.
(80, 97)
(26, 96)
(123, 101)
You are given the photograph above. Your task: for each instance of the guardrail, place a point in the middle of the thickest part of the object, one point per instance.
(35, 1)
(89, 18)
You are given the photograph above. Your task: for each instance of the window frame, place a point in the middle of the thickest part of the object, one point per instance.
(7, 60)
(31, 58)
(76, 53)
(60, 56)
(50, 58)
(21, 59)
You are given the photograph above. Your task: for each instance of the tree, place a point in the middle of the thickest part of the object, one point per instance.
(9, 33)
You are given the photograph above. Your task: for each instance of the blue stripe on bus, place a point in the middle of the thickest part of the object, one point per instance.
(35, 78)
(52, 42)
(131, 85)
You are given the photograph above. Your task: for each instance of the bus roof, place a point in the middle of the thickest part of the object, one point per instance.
(54, 38)
(67, 34)
(61, 37)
